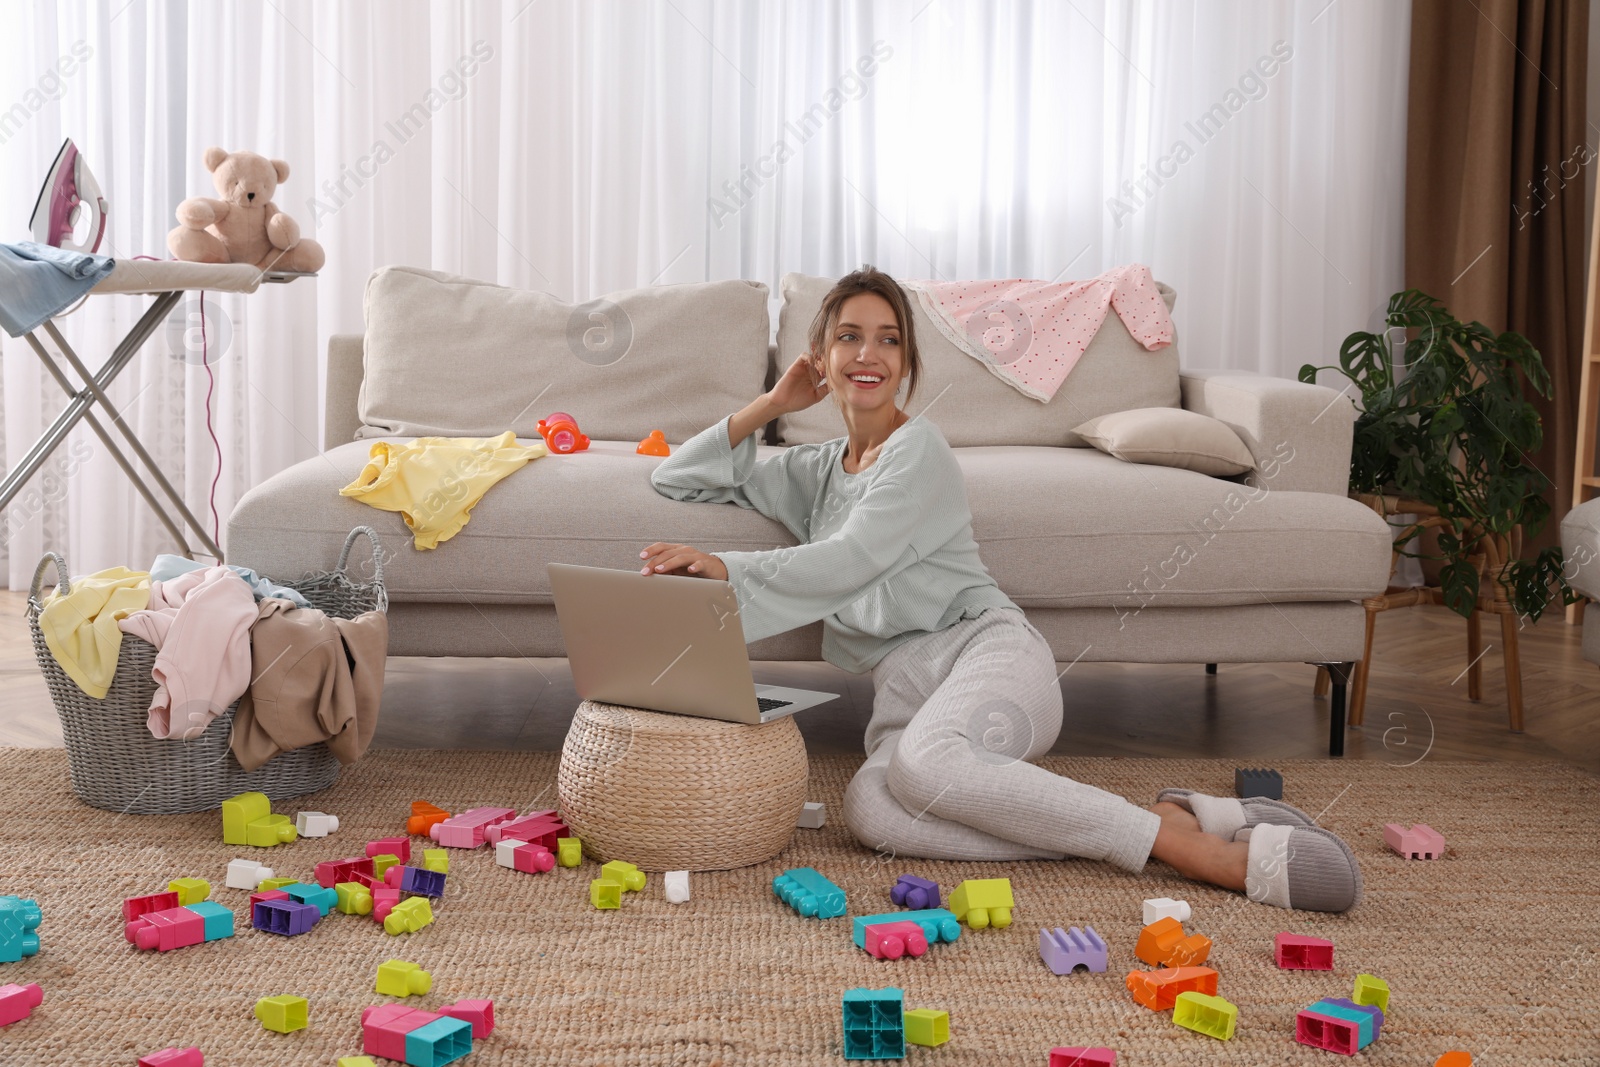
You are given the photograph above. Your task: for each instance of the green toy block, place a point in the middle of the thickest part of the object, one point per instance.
(354, 898)
(218, 919)
(1371, 991)
(270, 830)
(925, 1026)
(382, 862)
(355, 1061)
(283, 1014)
(408, 916)
(626, 875)
(569, 851)
(399, 978)
(433, 859)
(239, 812)
(604, 893)
(981, 902)
(268, 884)
(1204, 1014)
(189, 890)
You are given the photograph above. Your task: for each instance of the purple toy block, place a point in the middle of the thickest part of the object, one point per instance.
(1421, 842)
(420, 881)
(1366, 1009)
(287, 917)
(1062, 950)
(915, 893)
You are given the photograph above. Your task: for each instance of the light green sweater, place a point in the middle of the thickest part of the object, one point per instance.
(886, 554)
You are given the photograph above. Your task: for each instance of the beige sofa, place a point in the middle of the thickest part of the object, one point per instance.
(1580, 544)
(1112, 561)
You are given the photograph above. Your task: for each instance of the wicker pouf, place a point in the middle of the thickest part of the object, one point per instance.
(678, 793)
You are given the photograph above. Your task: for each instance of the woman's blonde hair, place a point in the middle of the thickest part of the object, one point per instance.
(869, 279)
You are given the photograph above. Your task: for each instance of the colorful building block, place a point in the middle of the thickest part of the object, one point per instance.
(284, 1014)
(166, 930)
(383, 901)
(1079, 1056)
(401, 978)
(1158, 990)
(423, 817)
(174, 1057)
(315, 824)
(133, 907)
(418, 880)
(272, 830)
(189, 890)
(1295, 953)
(631, 878)
(391, 846)
(1257, 782)
(1421, 842)
(19, 923)
(605, 894)
(1157, 941)
(382, 862)
(813, 816)
(354, 898)
(677, 886)
(442, 1041)
(323, 899)
(915, 893)
(890, 941)
(521, 856)
(1063, 951)
(408, 916)
(239, 812)
(1368, 1018)
(1330, 1025)
(543, 828)
(18, 1001)
(981, 902)
(218, 920)
(246, 874)
(330, 873)
(810, 894)
(436, 859)
(1209, 1015)
(569, 851)
(480, 1013)
(937, 924)
(1454, 1058)
(1370, 990)
(265, 894)
(927, 1027)
(356, 1061)
(275, 883)
(384, 1028)
(467, 829)
(286, 917)
(1160, 908)
(874, 1024)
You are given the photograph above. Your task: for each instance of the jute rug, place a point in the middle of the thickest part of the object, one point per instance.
(1492, 949)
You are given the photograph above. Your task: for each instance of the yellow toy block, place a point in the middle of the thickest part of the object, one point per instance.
(434, 859)
(626, 875)
(924, 1026)
(382, 862)
(569, 851)
(355, 1061)
(408, 916)
(397, 978)
(604, 893)
(274, 883)
(981, 902)
(354, 898)
(284, 1014)
(270, 830)
(1204, 1014)
(239, 812)
(1371, 991)
(189, 890)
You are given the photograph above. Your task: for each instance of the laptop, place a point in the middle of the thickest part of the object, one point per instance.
(664, 642)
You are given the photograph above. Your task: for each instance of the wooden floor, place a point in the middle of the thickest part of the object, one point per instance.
(1417, 706)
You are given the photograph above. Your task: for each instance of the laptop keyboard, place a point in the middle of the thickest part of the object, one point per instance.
(769, 704)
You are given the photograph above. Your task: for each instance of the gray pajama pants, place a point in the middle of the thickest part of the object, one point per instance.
(957, 714)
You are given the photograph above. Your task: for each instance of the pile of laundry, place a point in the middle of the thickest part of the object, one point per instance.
(225, 634)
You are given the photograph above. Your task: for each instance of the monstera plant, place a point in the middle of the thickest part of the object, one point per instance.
(1447, 425)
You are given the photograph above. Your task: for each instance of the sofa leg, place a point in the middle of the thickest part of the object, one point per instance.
(1211, 668)
(1339, 673)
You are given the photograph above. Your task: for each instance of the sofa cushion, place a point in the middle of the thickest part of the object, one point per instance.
(1115, 373)
(1057, 527)
(1169, 437)
(453, 357)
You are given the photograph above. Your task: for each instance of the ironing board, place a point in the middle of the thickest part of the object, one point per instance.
(167, 281)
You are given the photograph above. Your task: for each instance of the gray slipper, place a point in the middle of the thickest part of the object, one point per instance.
(1226, 816)
(1304, 867)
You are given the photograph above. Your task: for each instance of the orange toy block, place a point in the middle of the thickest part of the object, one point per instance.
(1192, 951)
(1158, 990)
(1157, 940)
(424, 815)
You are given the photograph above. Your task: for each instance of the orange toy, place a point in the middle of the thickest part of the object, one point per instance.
(1157, 940)
(561, 435)
(654, 445)
(1190, 952)
(424, 815)
(1159, 990)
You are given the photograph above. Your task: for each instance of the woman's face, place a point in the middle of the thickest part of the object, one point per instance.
(864, 362)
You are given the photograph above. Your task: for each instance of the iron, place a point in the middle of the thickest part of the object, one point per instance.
(68, 189)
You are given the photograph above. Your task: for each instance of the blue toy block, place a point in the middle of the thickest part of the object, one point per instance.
(874, 1024)
(323, 899)
(439, 1042)
(1064, 950)
(218, 919)
(19, 919)
(909, 891)
(937, 924)
(286, 917)
(1367, 1019)
(809, 893)
(422, 882)
(1259, 782)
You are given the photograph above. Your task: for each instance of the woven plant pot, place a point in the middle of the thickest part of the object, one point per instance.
(677, 793)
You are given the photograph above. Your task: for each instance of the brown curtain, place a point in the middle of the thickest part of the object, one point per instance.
(1496, 154)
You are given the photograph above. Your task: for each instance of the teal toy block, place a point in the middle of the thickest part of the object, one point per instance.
(325, 900)
(19, 919)
(439, 1042)
(937, 924)
(1367, 1021)
(874, 1024)
(809, 893)
(218, 920)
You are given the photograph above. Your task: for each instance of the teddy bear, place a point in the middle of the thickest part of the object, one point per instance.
(245, 226)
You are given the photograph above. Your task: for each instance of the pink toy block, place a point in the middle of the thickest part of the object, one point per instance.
(480, 1013)
(174, 1057)
(391, 846)
(536, 828)
(1421, 842)
(523, 856)
(330, 873)
(166, 930)
(17, 1001)
(384, 898)
(1078, 1056)
(384, 1028)
(890, 941)
(267, 894)
(134, 907)
(467, 829)
(1296, 953)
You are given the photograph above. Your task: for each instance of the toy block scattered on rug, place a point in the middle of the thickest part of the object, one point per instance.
(874, 1024)
(1421, 842)
(810, 894)
(189, 890)
(283, 1014)
(315, 824)
(1079, 1056)
(1163, 943)
(399, 845)
(1371, 991)
(1338, 1025)
(330, 873)
(1295, 953)
(423, 817)
(915, 893)
(1158, 990)
(813, 816)
(247, 819)
(1258, 782)
(927, 1027)
(402, 978)
(1166, 908)
(890, 941)
(522, 856)
(677, 886)
(467, 829)
(288, 917)
(408, 916)
(246, 874)
(480, 1013)
(983, 902)
(543, 828)
(18, 1001)
(191, 924)
(1063, 951)
(19, 923)
(174, 1057)
(1205, 1014)
(937, 924)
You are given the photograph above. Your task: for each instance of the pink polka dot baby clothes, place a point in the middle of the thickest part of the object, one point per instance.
(1030, 334)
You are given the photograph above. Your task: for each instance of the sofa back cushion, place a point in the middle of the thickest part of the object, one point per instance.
(1115, 373)
(452, 357)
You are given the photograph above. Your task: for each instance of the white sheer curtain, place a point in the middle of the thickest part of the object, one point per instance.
(1251, 153)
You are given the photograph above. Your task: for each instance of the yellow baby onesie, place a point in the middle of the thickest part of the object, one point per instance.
(80, 628)
(433, 482)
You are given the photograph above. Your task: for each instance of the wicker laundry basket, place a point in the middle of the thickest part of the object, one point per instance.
(679, 793)
(116, 763)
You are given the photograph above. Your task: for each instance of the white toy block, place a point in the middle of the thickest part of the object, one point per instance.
(315, 824)
(505, 852)
(677, 883)
(1166, 908)
(812, 817)
(247, 874)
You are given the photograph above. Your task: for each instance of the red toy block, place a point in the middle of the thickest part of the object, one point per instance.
(1296, 953)
(368, 879)
(17, 1001)
(1421, 842)
(330, 873)
(890, 941)
(423, 816)
(536, 828)
(1158, 990)
(391, 846)
(480, 1013)
(384, 1028)
(134, 907)
(1078, 1056)
(384, 898)
(174, 1057)
(267, 894)
(166, 930)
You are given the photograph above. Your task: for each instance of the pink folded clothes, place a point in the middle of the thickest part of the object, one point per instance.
(199, 623)
(1030, 334)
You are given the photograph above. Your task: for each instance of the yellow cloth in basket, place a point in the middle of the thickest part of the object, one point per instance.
(80, 628)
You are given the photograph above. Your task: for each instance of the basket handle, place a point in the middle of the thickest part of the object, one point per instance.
(377, 552)
(63, 582)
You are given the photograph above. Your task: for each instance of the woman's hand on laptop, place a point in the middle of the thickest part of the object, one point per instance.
(665, 558)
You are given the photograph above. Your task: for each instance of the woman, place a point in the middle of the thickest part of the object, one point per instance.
(966, 690)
